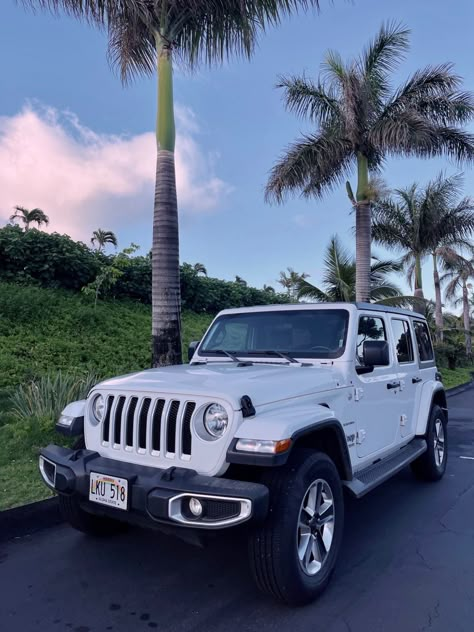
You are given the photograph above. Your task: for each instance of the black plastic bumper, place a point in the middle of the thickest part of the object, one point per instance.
(153, 492)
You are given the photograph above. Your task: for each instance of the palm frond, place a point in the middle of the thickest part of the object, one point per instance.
(313, 165)
(383, 55)
(307, 99)
(308, 290)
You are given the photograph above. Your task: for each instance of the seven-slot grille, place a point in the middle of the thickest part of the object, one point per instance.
(156, 426)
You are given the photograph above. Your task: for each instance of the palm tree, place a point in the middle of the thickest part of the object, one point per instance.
(459, 270)
(290, 280)
(200, 268)
(146, 37)
(361, 121)
(339, 278)
(425, 221)
(36, 216)
(100, 238)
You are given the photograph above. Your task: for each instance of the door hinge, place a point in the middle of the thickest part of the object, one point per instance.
(358, 394)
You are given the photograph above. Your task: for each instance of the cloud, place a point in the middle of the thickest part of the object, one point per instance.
(84, 179)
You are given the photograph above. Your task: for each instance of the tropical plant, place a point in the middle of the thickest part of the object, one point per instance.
(339, 278)
(35, 216)
(46, 397)
(100, 238)
(200, 268)
(146, 36)
(291, 280)
(425, 221)
(361, 121)
(459, 270)
(109, 273)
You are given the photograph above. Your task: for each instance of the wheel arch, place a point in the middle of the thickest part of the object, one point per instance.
(432, 393)
(327, 437)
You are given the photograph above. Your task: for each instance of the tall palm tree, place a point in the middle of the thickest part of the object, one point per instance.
(361, 121)
(339, 278)
(35, 216)
(459, 270)
(425, 221)
(100, 238)
(147, 37)
(200, 268)
(290, 280)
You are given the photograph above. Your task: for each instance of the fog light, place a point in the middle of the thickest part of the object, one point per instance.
(195, 507)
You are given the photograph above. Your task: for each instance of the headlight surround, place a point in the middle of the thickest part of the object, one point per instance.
(216, 420)
(98, 408)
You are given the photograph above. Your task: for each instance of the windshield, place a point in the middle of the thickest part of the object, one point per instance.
(301, 333)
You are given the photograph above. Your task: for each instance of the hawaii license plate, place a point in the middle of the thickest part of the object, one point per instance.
(108, 490)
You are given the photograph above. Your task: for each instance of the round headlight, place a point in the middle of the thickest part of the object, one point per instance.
(98, 408)
(216, 420)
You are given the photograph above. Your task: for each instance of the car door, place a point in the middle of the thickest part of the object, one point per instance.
(377, 405)
(426, 370)
(407, 373)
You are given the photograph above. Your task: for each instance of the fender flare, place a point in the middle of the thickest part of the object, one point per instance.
(306, 436)
(432, 391)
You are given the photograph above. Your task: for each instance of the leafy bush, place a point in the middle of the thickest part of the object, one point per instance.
(52, 260)
(46, 397)
(449, 354)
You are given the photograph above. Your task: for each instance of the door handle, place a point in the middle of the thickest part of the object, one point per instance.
(416, 380)
(393, 385)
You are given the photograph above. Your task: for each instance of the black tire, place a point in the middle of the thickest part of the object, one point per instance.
(273, 551)
(429, 466)
(72, 512)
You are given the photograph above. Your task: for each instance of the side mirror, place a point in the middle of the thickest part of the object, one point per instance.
(376, 353)
(192, 348)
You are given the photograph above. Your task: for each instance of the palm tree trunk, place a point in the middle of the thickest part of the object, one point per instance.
(438, 301)
(419, 306)
(466, 319)
(166, 295)
(363, 232)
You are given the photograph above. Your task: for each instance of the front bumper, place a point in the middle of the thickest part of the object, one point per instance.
(156, 496)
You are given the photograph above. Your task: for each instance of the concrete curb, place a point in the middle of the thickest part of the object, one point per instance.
(460, 388)
(26, 519)
(21, 521)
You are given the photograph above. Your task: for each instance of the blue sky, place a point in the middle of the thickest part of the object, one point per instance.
(58, 92)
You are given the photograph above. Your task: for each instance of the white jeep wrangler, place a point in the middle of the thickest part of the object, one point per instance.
(279, 410)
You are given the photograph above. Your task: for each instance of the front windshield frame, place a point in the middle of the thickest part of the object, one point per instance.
(216, 351)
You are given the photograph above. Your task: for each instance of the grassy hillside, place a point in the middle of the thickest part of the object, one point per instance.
(42, 331)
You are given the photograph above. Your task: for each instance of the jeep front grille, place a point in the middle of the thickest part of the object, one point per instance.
(160, 427)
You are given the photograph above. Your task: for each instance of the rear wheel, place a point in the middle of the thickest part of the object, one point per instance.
(77, 517)
(293, 554)
(431, 465)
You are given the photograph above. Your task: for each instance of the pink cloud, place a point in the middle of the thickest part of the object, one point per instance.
(83, 179)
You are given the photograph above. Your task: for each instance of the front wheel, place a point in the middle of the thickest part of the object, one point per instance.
(431, 465)
(293, 554)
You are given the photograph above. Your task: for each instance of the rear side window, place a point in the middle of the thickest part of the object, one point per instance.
(425, 349)
(403, 342)
(370, 328)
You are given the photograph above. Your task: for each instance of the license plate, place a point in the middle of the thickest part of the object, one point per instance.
(108, 490)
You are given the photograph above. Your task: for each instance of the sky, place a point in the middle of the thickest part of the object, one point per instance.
(79, 145)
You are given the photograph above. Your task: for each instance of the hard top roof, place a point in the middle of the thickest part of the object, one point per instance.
(307, 306)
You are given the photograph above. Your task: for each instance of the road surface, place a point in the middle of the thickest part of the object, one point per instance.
(407, 565)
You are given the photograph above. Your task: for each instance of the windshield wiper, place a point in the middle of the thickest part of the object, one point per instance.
(272, 352)
(229, 354)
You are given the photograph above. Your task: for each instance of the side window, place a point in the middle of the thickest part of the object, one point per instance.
(370, 328)
(425, 349)
(403, 342)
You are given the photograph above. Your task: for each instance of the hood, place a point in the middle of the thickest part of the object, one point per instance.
(263, 383)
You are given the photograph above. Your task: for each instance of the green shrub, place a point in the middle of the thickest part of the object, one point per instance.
(45, 397)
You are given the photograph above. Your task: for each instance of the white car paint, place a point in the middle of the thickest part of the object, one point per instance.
(287, 397)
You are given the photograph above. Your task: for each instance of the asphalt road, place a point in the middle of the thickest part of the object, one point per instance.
(407, 564)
